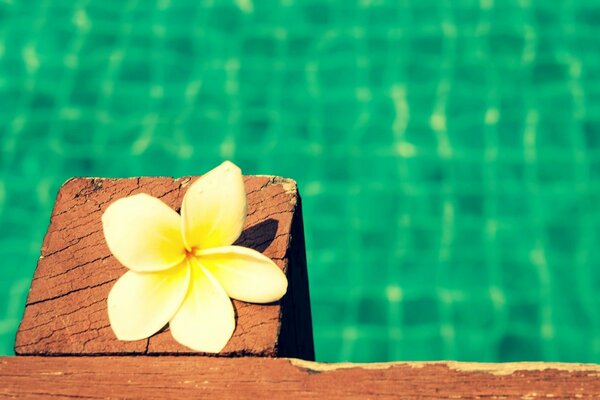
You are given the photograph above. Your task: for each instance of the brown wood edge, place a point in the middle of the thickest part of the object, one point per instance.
(244, 377)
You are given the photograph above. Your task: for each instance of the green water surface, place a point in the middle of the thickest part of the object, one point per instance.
(448, 152)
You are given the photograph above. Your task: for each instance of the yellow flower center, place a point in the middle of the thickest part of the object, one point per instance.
(191, 253)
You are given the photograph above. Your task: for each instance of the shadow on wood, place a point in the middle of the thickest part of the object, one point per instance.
(260, 236)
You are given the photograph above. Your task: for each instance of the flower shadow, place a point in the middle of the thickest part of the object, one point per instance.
(260, 236)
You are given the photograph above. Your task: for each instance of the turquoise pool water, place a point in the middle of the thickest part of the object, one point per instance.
(448, 152)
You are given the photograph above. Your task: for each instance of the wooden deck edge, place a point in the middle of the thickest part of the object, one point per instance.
(246, 377)
(491, 368)
(66, 311)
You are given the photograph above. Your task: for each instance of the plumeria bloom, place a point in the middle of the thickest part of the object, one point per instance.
(183, 269)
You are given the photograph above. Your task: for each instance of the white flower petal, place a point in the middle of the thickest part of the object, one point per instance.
(245, 274)
(141, 303)
(206, 320)
(214, 208)
(143, 233)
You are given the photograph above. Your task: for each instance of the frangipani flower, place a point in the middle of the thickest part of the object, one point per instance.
(182, 268)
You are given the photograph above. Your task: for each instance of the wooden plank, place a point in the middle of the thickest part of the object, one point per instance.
(66, 307)
(249, 377)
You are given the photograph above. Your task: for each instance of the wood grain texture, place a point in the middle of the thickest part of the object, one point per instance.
(251, 377)
(66, 312)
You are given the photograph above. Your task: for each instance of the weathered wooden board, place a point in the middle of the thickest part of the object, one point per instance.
(66, 313)
(253, 377)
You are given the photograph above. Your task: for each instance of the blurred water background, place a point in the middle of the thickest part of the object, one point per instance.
(447, 151)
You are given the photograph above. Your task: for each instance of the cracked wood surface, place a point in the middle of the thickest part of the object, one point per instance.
(66, 307)
(254, 377)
